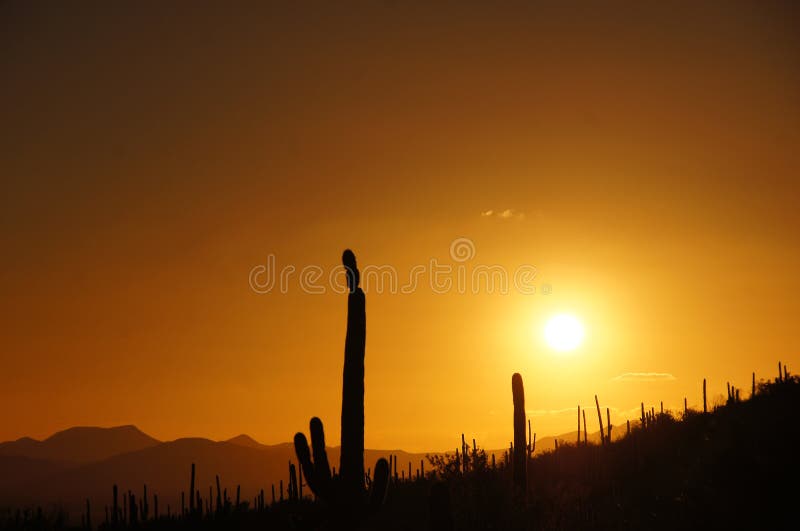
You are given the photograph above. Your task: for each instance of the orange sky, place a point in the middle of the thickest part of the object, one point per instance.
(153, 156)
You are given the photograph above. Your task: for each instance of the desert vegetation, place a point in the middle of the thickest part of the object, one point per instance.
(730, 465)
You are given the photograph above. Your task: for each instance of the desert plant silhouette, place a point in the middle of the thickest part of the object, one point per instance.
(520, 457)
(346, 493)
(724, 469)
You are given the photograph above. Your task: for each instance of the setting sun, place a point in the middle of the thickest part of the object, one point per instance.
(564, 332)
(302, 251)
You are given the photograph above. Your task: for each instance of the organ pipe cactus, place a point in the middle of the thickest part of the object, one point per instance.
(347, 490)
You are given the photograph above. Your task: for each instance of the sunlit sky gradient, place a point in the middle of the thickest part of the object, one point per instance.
(152, 155)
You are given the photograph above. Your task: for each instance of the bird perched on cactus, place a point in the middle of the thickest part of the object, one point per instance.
(347, 491)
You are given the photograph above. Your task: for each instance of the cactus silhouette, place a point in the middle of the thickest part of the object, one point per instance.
(600, 420)
(705, 404)
(520, 458)
(347, 491)
(115, 513)
(351, 464)
(191, 491)
(585, 435)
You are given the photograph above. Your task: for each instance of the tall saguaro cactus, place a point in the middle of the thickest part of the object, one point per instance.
(520, 460)
(348, 489)
(705, 404)
(585, 435)
(351, 465)
(600, 420)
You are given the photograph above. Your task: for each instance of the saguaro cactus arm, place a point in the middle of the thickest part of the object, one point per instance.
(318, 472)
(380, 484)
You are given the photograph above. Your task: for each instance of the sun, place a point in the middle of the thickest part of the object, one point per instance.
(564, 332)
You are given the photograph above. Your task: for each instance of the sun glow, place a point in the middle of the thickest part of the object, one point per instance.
(564, 332)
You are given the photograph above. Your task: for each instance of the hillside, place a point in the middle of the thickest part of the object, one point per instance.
(732, 468)
(723, 469)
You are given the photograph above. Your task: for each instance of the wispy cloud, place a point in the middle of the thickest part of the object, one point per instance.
(549, 412)
(570, 411)
(644, 377)
(508, 213)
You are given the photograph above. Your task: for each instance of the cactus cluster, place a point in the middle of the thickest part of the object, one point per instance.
(347, 491)
(354, 492)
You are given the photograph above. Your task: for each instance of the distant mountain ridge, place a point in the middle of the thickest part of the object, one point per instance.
(81, 444)
(246, 441)
(85, 462)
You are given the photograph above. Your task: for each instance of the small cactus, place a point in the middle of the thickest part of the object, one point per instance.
(292, 482)
(219, 495)
(705, 403)
(585, 434)
(191, 491)
(115, 510)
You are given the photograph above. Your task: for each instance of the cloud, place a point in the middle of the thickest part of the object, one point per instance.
(644, 377)
(571, 411)
(547, 412)
(508, 213)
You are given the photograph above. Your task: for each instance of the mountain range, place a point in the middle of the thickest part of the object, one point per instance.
(85, 462)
